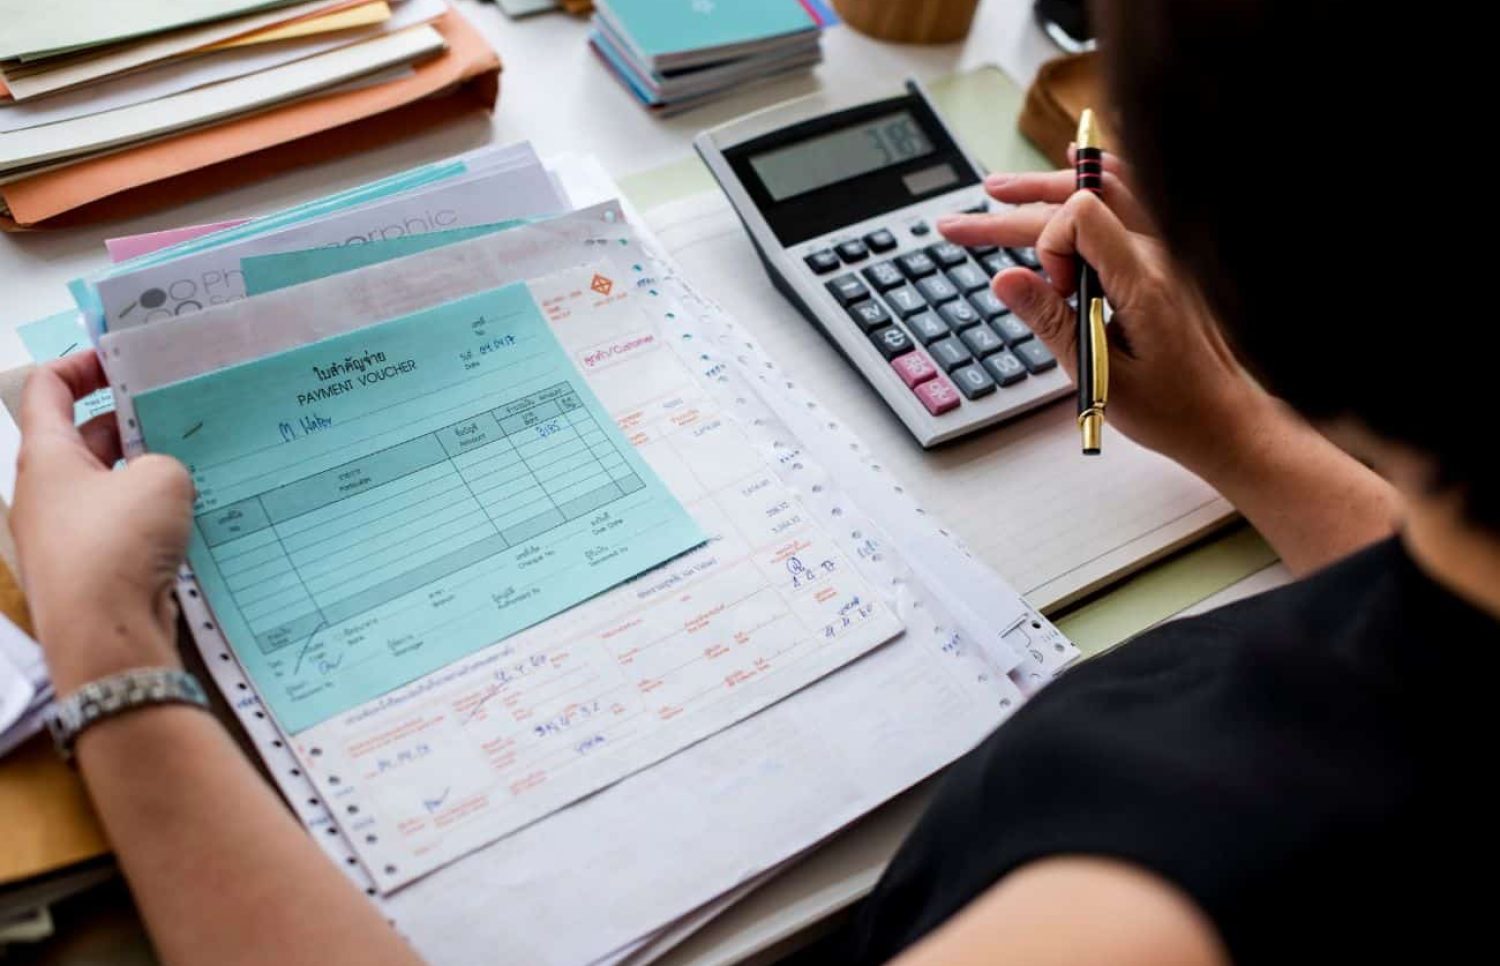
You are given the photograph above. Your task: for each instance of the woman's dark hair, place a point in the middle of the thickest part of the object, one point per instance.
(1290, 157)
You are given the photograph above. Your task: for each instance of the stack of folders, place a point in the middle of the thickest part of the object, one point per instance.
(676, 54)
(518, 560)
(105, 104)
(25, 690)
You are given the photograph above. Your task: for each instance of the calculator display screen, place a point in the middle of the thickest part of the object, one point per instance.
(840, 155)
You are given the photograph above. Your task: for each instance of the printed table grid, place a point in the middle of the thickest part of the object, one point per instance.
(320, 550)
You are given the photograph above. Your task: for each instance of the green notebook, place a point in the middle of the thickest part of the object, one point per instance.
(677, 34)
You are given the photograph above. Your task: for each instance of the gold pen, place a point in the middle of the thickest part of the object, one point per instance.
(1093, 344)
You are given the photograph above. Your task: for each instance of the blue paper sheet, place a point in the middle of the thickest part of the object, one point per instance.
(62, 335)
(376, 505)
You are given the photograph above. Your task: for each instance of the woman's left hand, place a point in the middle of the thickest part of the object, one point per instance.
(99, 549)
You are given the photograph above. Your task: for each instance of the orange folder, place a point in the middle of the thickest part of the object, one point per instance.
(465, 78)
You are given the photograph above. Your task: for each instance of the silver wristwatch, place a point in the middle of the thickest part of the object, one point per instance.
(116, 694)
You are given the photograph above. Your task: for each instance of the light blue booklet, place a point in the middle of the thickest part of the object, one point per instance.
(673, 34)
(376, 505)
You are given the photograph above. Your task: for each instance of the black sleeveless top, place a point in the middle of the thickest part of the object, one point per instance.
(1276, 759)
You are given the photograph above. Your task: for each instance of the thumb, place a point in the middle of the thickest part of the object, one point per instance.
(1035, 302)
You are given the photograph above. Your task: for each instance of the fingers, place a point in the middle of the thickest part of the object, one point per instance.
(1037, 304)
(165, 475)
(1085, 226)
(81, 372)
(102, 436)
(1056, 187)
(1016, 228)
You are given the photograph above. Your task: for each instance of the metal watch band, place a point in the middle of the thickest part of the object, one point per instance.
(117, 694)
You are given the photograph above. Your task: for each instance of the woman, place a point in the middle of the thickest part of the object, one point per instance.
(1250, 786)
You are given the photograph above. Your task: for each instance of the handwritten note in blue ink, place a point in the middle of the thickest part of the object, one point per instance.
(62, 335)
(377, 505)
(267, 273)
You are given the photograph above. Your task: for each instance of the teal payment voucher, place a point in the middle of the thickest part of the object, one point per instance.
(377, 505)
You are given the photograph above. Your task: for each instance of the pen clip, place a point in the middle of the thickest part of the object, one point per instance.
(1099, 350)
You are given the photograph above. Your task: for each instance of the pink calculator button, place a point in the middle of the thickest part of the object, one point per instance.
(913, 368)
(938, 395)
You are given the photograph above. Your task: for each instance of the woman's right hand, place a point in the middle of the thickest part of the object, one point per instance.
(1174, 384)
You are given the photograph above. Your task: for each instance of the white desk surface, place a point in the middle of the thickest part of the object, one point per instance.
(555, 93)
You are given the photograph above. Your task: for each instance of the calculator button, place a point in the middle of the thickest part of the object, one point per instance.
(959, 314)
(884, 275)
(1011, 329)
(891, 342)
(947, 254)
(950, 353)
(823, 261)
(848, 289)
(920, 229)
(969, 277)
(936, 289)
(938, 395)
(915, 369)
(853, 251)
(986, 304)
(1035, 356)
(979, 209)
(880, 241)
(998, 262)
(973, 381)
(1005, 368)
(979, 251)
(916, 265)
(905, 301)
(982, 340)
(870, 315)
(1027, 257)
(927, 327)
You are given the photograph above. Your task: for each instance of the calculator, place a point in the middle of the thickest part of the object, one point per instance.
(840, 201)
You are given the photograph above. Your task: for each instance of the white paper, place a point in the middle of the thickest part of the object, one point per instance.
(724, 811)
(24, 688)
(37, 146)
(201, 71)
(167, 290)
(10, 450)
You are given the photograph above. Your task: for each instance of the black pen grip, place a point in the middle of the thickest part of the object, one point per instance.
(1090, 177)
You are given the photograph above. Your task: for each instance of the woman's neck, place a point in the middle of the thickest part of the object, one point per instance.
(1454, 552)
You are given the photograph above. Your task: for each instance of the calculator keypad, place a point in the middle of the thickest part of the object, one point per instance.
(930, 311)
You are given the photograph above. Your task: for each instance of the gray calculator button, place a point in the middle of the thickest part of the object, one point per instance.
(973, 381)
(848, 289)
(884, 275)
(947, 254)
(979, 251)
(950, 353)
(1035, 356)
(1027, 257)
(916, 265)
(959, 314)
(1011, 329)
(937, 289)
(986, 304)
(823, 261)
(920, 228)
(998, 262)
(981, 340)
(928, 327)
(891, 342)
(968, 277)
(853, 251)
(880, 241)
(870, 315)
(905, 301)
(1006, 368)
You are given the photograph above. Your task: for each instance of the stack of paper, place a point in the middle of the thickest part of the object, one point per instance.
(89, 91)
(517, 560)
(676, 54)
(25, 690)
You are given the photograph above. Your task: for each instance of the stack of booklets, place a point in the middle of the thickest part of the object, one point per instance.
(109, 108)
(676, 54)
